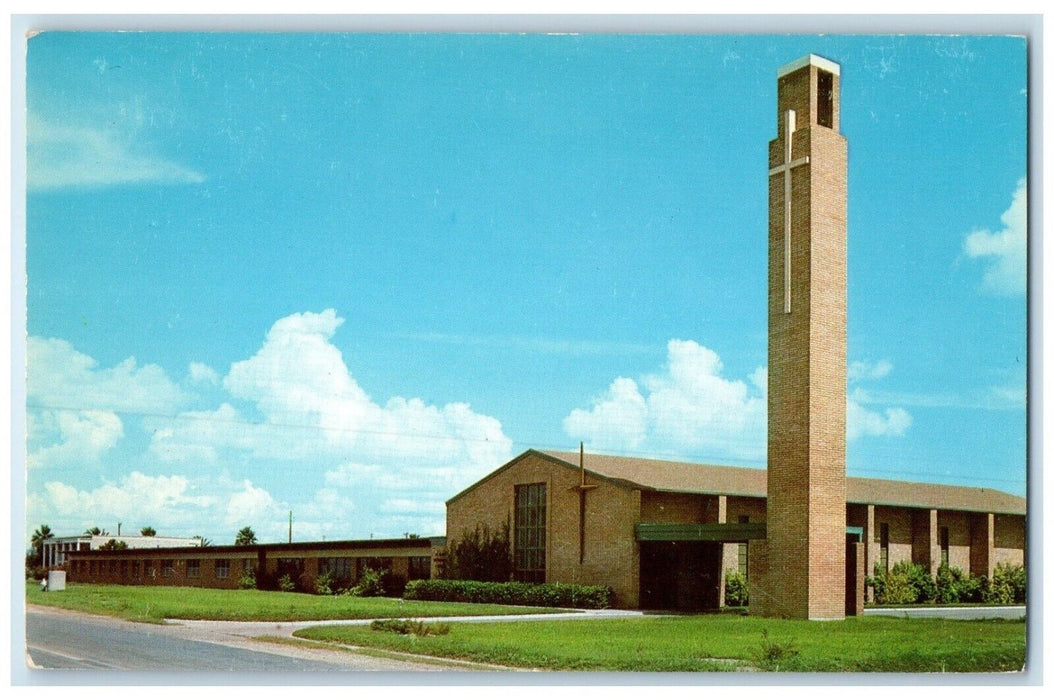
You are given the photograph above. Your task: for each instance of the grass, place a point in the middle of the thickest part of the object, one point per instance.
(156, 603)
(715, 643)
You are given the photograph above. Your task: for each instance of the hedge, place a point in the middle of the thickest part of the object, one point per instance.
(551, 595)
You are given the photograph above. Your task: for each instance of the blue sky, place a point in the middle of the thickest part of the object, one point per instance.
(348, 275)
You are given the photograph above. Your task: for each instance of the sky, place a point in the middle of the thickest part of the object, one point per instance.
(349, 275)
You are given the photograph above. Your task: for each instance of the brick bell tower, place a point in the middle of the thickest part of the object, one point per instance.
(805, 551)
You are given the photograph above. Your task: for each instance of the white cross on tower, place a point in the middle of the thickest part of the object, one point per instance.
(785, 168)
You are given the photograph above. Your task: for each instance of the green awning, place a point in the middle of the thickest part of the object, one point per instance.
(712, 532)
(699, 532)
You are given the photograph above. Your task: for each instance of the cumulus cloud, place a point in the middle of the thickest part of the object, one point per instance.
(201, 373)
(161, 500)
(212, 506)
(618, 419)
(860, 421)
(689, 408)
(64, 155)
(73, 405)
(79, 437)
(864, 369)
(304, 406)
(1004, 250)
(60, 377)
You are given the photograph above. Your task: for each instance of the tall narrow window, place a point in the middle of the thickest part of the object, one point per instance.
(883, 547)
(529, 554)
(825, 99)
(944, 546)
(743, 549)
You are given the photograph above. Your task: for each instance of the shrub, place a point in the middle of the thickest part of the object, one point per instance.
(417, 628)
(1008, 585)
(324, 584)
(370, 585)
(735, 589)
(286, 583)
(553, 595)
(481, 555)
(247, 580)
(904, 584)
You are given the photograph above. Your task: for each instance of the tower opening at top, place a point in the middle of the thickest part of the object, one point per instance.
(825, 98)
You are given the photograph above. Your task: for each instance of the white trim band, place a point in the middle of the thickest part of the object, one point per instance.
(810, 60)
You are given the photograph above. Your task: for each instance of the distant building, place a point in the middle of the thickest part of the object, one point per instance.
(56, 549)
(224, 566)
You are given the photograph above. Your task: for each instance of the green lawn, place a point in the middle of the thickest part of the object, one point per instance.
(155, 603)
(715, 643)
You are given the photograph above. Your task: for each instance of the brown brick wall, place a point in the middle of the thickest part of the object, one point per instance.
(612, 556)
(1009, 539)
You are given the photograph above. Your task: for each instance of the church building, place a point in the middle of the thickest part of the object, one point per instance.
(663, 534)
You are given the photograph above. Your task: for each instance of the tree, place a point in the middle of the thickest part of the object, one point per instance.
(96, 531)
(148, 531)
(39, 535)
(113, 544)
(245, 536)
(205, 541)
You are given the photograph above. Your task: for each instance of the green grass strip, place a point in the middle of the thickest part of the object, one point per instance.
(716, 643)
(156, 603)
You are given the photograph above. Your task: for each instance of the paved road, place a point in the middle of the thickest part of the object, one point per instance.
(1008, 612)
(60, 639)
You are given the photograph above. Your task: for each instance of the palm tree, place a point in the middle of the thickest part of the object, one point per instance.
(148, 531)
(245, 536)
(205, 541)
(95, 531)
(39, 535)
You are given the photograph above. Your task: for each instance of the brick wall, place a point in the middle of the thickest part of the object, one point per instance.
(611, 554)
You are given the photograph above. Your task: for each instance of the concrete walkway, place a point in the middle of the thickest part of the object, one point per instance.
(218, 630)
(1006, 612)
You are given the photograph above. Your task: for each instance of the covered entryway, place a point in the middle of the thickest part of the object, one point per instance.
(680, 564)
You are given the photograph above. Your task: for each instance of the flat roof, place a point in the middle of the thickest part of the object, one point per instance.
(278, 547)
(810, 60)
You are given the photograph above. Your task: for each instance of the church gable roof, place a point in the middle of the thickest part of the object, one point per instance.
(662, 475)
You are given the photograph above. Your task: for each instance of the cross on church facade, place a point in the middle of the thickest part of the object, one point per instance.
(785, 168)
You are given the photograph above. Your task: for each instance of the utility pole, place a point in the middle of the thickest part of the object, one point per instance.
(290, 527)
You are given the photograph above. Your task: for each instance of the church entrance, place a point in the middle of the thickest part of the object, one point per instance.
(680, 575)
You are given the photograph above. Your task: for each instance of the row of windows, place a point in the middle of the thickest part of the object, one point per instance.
(339, 568)
(166, 568)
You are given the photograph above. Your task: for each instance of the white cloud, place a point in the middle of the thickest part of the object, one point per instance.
(60, 155)
(313, 412)
(59, 377)
(79, 437)
(690, 409)
(617, 421)
(860, 421)
(212, 506)
(1006, 248)
(687, 409)
(250, 504)
(164, 501)
(73, 405)
(865, 369)
(203, 374)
